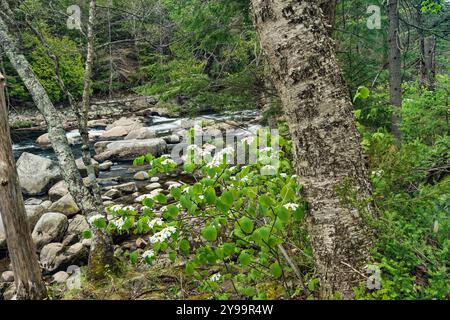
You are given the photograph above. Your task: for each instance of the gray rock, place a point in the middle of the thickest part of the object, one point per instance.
(128, 188)
(32, 202)
(154, 179)
(131, 149)
(55, 256)
(141, 133)
(50, 227)
(153, 186)
(172, 139)
(74, 281)
(77, 225)
(73, 269)
(8, 276)
(112, 194)
(100, 146)
(34, 213)
(46, 204)
(65, 205)
(58, 191)
(141, 176)
(60, 277)
(36, 174)
(105, 166)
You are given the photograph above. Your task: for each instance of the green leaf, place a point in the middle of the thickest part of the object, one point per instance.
(265, 200)
(134, 257)
(210, 196)
(87, 234)
(283, 214)
(190, 268)
(189, 167)
(161, 198)
(245, 259)
(246, 224)
(171, 212)
(184, 246)
(210, 233)
(228, 249)
(227, 198)
(276, 271)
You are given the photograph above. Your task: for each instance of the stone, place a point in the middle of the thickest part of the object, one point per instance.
(141, 133)
(60, 277)
(58, 191)
(50, 227)
(153, 186)
(8, 276)
(100, 146)
(137, 283)
(77, 225)
(32, 202)
(113, 194)
(65, 205)
(115, 133)
(44, 141)
(55, 256)
(172, 184)
(141, 176)
(154, 179)
(9, 293)
(87, 243)
(128, 150)
(46, 204)
(172, 139)
(74, 281)
(127, 123)
(82, 168)
(73, 269)
(129, 187)
(36, 174)
(105, 166)
(34, 213)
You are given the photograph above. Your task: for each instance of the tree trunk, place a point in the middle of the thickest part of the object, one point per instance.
(326, 142)
(22, 251)
(101, 247)
(395, 76)
(427, 54)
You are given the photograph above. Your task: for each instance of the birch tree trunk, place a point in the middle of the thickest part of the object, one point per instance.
(326, 142)
(101, 248)
(395, 76)
(22, 251)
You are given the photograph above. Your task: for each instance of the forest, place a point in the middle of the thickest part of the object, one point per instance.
(224, 150)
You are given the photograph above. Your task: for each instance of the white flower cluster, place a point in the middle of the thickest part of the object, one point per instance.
(148, 254)
(291, 206)
(117, 207)
(155, 222)
(95, 218)
(248, 140)
(163, 235)
(219, 156)
(215, 277)
(168, 162)
(118, 223)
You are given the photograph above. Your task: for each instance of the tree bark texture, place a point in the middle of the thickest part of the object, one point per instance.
(326, 142)
(22, 251)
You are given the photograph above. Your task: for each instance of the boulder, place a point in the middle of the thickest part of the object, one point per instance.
(113, 194)
(128, 150)
(153, 186)
(100, 146)
(58, 191)
(34, 213)
(36, 174)
(127, 123)
(60, 277)
(172, 139)
(141, 133)
(55, 256)
(65, 205)
(77, 225)
(114, 133)
(141, 176)
(50, 227)
(105, 166)
(8, 276)
(128, 188)
(82, 168)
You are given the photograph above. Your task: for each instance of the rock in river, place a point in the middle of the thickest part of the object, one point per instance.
(36, 174)
(131, 149)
